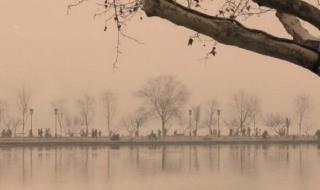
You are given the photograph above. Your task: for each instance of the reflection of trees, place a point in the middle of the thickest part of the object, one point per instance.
(31, 164)
(214, 157)
(57, 163)
(137, 156)
(163, 157)
(243, 157)
(108, 163)
(23, 167)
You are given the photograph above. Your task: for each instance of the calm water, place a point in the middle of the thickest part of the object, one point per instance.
(247, 167)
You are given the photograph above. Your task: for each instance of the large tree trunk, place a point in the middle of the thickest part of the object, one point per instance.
(231, 32)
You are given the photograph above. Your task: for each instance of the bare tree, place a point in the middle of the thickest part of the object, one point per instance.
(72, 125)
(303, 107)
(23, 101)
(59, 106)
(196, 118)
(135, 121)
(3, 111)
(86, 105)
(243, 106)
(223, 26)
(209, 118)
(129, 125)
(164, 96)
(109, 108)
(12, 123)
(277, 123)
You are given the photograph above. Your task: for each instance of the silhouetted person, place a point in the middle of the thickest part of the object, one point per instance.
(230, 132)
(256, 132)
(9, 133)
(3, 133)
(249, 131)
(194, 132)
(214, 132)
(243, 131)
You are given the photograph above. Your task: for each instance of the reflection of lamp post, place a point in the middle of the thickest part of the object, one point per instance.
(190, 121)
(55, 122)
(218, 113)
(31, 113)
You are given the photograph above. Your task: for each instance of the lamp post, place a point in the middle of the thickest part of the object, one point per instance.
(218, 113)
(190, 121)
(31, 128)
(55, 121)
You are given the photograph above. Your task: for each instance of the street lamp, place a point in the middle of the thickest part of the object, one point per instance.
(31, 113)
(190, 121)
(56, 121)
(218, 113)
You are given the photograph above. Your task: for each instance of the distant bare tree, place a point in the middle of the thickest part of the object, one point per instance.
(135, 121)
(86, 105)
(60, 106)
(209, 118)
(129, 125)
(196, 118)
(256, 111)
(72, 125)
(244, 107)
(23, 101)
(3, 111)
(12, 123)
(303, 107)
(276, 122)
(165, 97)
(109, 108)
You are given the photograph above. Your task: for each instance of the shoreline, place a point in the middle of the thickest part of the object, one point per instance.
(171, 140)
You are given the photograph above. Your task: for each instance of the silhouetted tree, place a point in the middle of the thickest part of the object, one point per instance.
(303, 107)
(196, 118)
(244, 107)
(86, 105)
(60, 106)
(164, 96)
(135, 121)
(23, 101)
(276, 122)
(209, 115)
(109, 108)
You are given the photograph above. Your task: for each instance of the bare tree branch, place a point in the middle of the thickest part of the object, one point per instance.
(297, 31)
(299, 8)
(231, 32)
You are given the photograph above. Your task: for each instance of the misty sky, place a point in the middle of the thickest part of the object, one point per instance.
(60, 55)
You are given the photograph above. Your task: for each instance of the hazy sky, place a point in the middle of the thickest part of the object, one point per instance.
(61, 56)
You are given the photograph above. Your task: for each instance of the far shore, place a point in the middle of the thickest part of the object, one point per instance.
(170, 140)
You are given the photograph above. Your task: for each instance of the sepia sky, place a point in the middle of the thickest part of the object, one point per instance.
(60, 55)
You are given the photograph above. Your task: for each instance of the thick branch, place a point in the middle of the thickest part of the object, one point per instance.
(298, 8)
(231, 32)
(297, 31)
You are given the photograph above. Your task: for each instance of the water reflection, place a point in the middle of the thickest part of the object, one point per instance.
(103, 165)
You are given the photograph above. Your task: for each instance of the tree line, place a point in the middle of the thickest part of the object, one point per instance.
(163, 98)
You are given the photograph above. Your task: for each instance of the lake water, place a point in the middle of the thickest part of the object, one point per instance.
(223, 167)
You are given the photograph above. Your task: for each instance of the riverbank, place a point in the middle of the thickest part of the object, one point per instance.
(21, 141)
